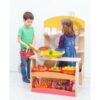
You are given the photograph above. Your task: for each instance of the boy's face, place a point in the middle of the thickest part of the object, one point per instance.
(28, 22)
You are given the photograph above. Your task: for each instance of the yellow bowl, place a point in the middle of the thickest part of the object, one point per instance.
(54, 54)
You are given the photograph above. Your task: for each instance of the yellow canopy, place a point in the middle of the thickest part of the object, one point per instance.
(55, 22)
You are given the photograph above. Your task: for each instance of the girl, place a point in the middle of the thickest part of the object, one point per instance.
(67, 42)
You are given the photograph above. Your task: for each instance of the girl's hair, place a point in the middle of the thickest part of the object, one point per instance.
(67, 27)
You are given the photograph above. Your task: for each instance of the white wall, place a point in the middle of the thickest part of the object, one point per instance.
(43, 9)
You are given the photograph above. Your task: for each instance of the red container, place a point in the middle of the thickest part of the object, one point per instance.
(44, 48)
(71, 72)
(25, 54)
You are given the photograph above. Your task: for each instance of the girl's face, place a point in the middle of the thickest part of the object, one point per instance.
(28, 22)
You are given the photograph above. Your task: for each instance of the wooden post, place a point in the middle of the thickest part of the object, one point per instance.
(81, 75)
(77, 79)
(33, 63)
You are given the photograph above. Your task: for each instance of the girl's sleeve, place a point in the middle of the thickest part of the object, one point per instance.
(61, 42)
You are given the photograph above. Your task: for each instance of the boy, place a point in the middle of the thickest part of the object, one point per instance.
(25, 37)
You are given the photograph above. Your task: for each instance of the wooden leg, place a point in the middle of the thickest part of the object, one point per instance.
(81, 76)
(77, 79)
(33, 63)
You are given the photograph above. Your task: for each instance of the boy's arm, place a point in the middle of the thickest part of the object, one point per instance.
(21, 42)
(33, 41)
(20, 34)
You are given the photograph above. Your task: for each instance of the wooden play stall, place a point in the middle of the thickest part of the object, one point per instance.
(52, 28)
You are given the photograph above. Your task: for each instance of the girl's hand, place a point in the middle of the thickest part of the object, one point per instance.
(77, 32)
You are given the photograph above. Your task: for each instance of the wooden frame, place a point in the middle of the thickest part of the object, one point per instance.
(79, 25)
(57, 75)
(51, 23)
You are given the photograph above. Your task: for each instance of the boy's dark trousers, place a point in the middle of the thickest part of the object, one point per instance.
(25, 68)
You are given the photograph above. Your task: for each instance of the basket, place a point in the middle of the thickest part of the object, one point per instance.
(25, 54)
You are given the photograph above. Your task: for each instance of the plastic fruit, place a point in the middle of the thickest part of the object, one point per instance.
(39, 68)
(55, 68)
(50, 52)
(68, 70)
(71, 86)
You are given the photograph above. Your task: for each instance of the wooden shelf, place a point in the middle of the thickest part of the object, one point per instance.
(80, 51)
(53, 75)
(56, 59)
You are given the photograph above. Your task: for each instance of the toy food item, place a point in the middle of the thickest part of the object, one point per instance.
(71, 85)
(39, 68)
(68, 70)
(51, 53)
(42, 67)
(42, 83)
(44, 48)
(55, 68)
(35, 82)
(66, 85)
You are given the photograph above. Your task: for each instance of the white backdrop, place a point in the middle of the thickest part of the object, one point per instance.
(43, 9)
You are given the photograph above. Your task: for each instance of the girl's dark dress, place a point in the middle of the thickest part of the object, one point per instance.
(67, 43)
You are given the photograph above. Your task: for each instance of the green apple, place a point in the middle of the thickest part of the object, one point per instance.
(50, 52)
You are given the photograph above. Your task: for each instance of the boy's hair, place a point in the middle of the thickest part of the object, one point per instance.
(28, 15)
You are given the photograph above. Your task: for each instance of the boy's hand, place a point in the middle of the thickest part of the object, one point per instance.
(27, 48)
(21, 42)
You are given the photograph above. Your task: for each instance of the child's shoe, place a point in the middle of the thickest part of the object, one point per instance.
(26, 80)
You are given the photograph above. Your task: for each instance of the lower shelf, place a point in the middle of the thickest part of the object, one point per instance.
(53, 91)
(53, 75)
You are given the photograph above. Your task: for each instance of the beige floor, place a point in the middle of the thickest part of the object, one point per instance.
(21, 91)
